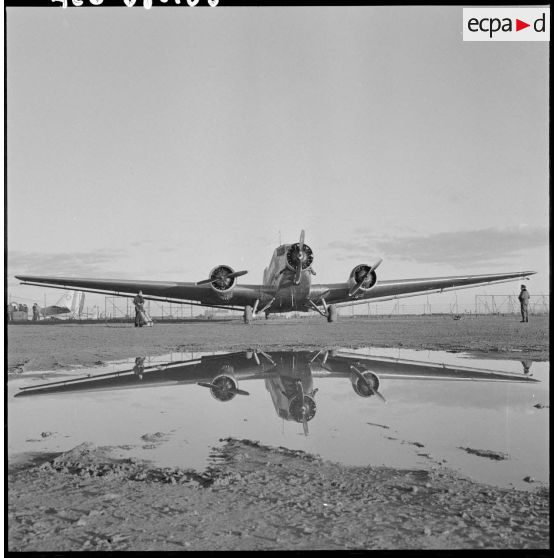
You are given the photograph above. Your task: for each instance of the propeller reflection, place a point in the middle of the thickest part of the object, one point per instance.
(288, 376)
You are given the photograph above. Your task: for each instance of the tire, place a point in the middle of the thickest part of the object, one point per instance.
(332, 313)
(247, 314)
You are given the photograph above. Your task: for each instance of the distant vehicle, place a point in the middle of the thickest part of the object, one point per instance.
(288, 376)
(70, 305)
(287, 286)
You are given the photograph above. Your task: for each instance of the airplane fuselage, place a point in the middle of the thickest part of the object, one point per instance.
(281, 278)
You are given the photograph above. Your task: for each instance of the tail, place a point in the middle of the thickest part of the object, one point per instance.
(78, 301)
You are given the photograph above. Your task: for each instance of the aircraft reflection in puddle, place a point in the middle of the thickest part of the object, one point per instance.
(288, 376)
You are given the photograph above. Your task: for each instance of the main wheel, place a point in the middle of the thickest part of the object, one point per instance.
(332, 313)
(247, 314)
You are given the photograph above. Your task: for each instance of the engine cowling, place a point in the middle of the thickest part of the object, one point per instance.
(365, 385)
(220, 280)
(362, 278)
(296, 256)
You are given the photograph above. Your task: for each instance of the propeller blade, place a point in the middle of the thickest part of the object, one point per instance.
(374, 266)
(205, 384)
(358, 373)
(228, 276)
(301, 242)
(305, 424)
(380, 396)
(300, 390)
(240, 273)
(239, 391)
(300, 396)
(298, 274)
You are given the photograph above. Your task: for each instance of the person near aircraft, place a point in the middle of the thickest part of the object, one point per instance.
(139, 367)
(526, 367)
(138, 304)
(524, 303)
(35, 312)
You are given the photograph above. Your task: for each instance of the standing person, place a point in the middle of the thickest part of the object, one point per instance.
(524, 302)
(35, 312)
(138, 303)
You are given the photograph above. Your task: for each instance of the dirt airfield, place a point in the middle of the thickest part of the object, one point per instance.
(255, 497)
(51, 347)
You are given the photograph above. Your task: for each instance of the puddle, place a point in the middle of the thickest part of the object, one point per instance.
(392, 407)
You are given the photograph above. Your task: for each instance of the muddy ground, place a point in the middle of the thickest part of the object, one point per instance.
(254, 497)
(258, 498)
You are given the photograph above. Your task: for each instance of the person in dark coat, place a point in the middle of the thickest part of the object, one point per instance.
(524, 303)
(35, 312)
(138, 303)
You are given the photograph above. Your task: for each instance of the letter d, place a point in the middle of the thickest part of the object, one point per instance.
(542, 21)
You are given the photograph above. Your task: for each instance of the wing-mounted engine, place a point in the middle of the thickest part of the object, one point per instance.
(222, 280)
(224, 387)
(363, 278)
(365, 383)
(299, 258)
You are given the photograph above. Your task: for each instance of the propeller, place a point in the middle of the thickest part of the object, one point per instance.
(365, 279)
(222, 278)
(368, 382)
(223, 387)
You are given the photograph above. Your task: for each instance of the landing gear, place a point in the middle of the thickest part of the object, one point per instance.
(332, 313)
(247, 314)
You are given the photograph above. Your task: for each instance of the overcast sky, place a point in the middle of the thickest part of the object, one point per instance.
(156, 144)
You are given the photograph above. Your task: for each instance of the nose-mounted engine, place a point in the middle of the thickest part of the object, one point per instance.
(363, 278)
(299, 258)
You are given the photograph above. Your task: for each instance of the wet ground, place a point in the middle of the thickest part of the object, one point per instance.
(443, 464)
(427, 408)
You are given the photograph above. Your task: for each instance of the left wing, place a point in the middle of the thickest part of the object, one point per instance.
(341, 294)
(164, 291)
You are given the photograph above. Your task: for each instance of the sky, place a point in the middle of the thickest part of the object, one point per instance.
(157, 144)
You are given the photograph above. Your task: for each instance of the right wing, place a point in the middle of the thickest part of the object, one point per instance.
(342, 294)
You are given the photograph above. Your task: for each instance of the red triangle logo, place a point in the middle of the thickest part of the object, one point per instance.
(519, 25)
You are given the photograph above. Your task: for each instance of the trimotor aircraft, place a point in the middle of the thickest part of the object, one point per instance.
(288, 376)
(287, 286)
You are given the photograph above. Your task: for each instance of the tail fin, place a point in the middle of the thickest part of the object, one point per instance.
(78, 300)
(81, 302)
(66, 300)
(71, 301)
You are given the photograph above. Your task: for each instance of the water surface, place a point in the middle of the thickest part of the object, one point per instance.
(368, 407)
